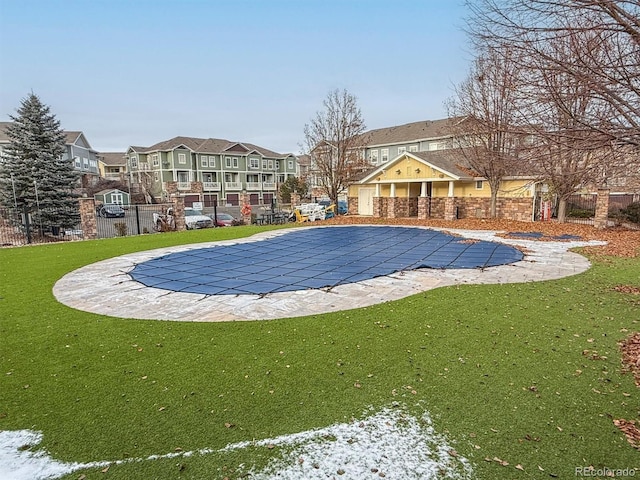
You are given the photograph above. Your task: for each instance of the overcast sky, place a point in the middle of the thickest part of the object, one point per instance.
(137, 72)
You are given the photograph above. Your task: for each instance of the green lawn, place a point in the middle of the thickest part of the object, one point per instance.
(527, 373)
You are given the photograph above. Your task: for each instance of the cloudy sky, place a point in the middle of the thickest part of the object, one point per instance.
(136, 72)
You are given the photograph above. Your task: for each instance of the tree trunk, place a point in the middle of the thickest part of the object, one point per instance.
(493, 205)
(562, 210)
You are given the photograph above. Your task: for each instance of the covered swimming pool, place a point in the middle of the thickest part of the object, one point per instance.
(317, 258)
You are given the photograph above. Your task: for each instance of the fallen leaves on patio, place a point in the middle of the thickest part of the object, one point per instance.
(621, 242)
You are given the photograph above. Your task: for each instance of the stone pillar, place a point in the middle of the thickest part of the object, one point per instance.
(245, 208)
(423, 207)
(602, 209)
(295, 200)
(391, 206)
(450, 208)
(178, 212)
(377, 206)
(88, 222)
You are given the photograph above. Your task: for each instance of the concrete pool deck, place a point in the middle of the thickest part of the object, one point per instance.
(106, 288)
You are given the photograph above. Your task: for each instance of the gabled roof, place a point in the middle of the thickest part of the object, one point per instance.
(70, 137)
(113, 159)
(411, 132)
(445, 161)
(208, 145)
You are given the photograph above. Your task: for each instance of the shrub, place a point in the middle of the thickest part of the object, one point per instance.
(632, 212)
(121, 229)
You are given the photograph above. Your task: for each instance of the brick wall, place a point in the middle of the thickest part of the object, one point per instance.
(352, 203)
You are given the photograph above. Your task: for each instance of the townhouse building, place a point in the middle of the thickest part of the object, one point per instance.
(77, 150)
(208, 170)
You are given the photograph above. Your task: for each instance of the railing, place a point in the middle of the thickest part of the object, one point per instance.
(211, 185)
(184, 185)
(268, 185)
(253, 185)
(233, 185)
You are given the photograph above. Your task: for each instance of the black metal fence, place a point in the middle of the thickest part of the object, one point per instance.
(20, 227)
(582, 208)
(130, 220)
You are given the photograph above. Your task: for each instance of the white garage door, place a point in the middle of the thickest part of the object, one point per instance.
(365, 201)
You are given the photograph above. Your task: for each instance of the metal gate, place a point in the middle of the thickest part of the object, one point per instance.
(130, 220)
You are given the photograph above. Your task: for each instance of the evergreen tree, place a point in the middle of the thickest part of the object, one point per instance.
(290, 185)
(34, 173)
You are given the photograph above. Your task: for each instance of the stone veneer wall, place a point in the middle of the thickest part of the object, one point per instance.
(519, 209)
(352, 205)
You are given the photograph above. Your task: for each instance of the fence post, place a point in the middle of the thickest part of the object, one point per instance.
(27, 222)
(602, 209)
(88, 222)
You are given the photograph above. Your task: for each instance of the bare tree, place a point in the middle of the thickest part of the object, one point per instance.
(569, 154)
(581, 59)
(487, 100)
(335, 140)
(613, 73)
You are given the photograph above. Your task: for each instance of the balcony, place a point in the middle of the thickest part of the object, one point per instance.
(253, 185)
(268, 185)
(233, 185)
(211, 185)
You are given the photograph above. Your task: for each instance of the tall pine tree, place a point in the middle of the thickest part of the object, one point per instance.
(34, 173)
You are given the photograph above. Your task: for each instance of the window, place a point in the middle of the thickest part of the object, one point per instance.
(373, 156)
(156, 177)
(413, 148)
(134, 162)
(85, 163)
(479, 185)
(384, 153)
(401, 150)
(212, 161)
(154, 160)
(254, 163)
(264, 164)
(227, 161)
(277, 164)
(290, 164)
(93, 164)
(182, 158)
(270, 164)
(235, 162)
(76, 161)
(204, 161)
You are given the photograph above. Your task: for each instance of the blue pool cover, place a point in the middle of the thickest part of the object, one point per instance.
(312, 258)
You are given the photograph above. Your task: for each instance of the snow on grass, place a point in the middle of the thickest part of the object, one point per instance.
(390, 444)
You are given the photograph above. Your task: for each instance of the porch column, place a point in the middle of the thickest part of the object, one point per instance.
(377, 194)
(391, 202)
(423, 189)
(450, 210)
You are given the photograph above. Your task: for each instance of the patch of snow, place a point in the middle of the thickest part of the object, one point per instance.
(390, 443)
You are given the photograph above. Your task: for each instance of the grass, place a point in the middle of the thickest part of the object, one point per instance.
(527, 373)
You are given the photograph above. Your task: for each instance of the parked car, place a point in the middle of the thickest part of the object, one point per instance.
(196, 219)
(224, 220)
(111, 211)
